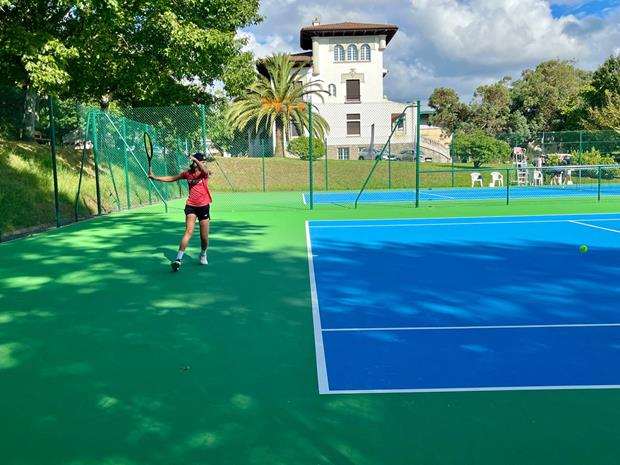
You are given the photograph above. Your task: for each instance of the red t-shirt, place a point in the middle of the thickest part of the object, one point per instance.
(198, 184)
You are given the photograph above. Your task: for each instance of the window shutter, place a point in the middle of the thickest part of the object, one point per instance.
(353, 89)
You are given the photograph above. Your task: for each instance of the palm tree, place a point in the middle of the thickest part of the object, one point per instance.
(278, 100)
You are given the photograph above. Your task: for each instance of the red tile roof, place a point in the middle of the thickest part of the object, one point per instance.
(344, 29)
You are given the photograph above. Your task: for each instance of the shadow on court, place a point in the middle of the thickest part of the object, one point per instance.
(107, 357)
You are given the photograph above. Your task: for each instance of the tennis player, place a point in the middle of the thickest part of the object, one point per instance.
(197, 206)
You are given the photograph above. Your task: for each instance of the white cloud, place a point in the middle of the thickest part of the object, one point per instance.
(453, 43)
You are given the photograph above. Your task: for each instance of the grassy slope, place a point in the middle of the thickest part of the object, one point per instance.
(27, 186)
(94, 330)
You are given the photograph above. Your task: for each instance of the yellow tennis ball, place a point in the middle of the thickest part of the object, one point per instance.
(583, 248)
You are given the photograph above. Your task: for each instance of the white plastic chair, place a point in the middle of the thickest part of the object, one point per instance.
(476, 178)
(538, 178)
(496, 178)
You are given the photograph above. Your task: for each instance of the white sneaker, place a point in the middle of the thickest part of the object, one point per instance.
(203, 260)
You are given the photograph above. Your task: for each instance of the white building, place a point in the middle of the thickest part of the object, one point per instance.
(348, 60)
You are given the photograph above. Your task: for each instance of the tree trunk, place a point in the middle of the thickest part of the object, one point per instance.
(279, 139)
(30, 114)
(104, 101)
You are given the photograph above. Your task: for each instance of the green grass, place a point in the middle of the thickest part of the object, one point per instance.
(95, 330)
(27, 187)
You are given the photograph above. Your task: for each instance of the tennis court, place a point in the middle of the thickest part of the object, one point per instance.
(109, 358)
(466, 303)
(465, 193)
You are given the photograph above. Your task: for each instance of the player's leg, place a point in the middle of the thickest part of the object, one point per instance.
(204, 240)
(190, 221)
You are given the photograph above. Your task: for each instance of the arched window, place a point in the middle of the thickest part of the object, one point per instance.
(332, 90)
(365, 53)
(351, 53)
(338, 53)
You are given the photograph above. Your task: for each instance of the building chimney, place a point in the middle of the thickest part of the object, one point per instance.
(316, 21)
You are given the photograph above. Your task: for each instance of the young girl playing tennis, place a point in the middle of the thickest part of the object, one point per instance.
(197, 205)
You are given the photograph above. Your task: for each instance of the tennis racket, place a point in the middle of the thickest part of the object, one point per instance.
(148, 148)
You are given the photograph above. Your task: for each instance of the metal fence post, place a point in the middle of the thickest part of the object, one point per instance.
(127, 186)
(148, 184)
(203, 118)
(311, 155)
(54, 165)
(452, 158)
(389, 164)
(508, 187)
(79, 188)
(417, 156)
(326, 164)
(262, 151)
(96, 152)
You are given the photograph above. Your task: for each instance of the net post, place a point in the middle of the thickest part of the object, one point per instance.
(599, 183)
(127, 186)
(311, 154)
(54, 164)
(417, 156)
(96, 153)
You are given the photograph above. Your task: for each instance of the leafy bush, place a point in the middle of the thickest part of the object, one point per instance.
(480, 148)
(300, 146)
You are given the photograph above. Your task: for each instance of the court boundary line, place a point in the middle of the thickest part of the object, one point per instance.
(617, 215)
(467, 223)
(456, 328)
(321, 364)
(477, 389)
(596, 227)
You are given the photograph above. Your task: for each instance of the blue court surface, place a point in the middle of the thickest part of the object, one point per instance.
(465, 193)
(458, 304)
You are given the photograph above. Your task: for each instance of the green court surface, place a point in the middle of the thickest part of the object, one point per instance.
(109, 358)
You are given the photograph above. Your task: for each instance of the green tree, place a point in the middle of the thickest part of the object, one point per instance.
(133, 52)
(450, 113)
(605, 82)
(547, 93)
(277, 99)
(223, 136)
(606, 116)
(490, 111)
(300, 146)
(480, 148)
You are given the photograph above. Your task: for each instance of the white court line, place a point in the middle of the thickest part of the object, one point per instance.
(596, 227)
(451, 328)
(321, 366)
(438, 195)
(549, 215)
(476, 389)
(303, 198)
(467, 223)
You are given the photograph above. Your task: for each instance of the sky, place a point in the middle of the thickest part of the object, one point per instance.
(455, 43)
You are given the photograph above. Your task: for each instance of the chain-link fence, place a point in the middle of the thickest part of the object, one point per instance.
(37, 190)
(569, 146)
(61, 162)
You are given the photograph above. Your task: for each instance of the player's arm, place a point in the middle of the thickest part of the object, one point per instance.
(165, 178)
(203, 169)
